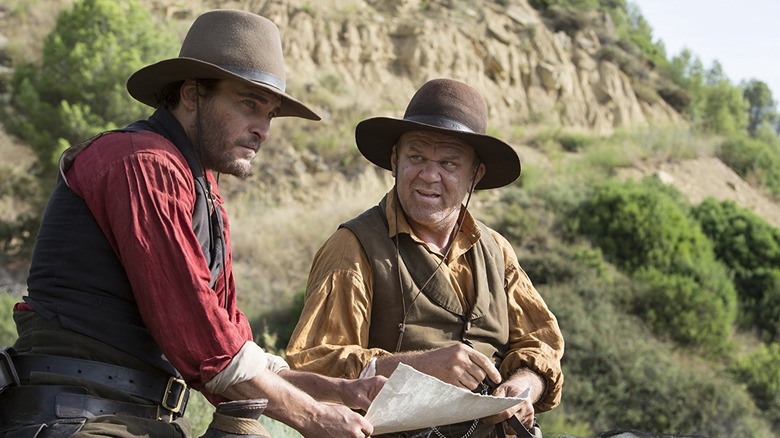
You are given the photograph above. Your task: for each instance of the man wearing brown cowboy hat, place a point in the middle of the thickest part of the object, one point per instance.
(132, 298)
(416, 279)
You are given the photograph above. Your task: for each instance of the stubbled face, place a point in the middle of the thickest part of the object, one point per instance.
(235, 120)
(433, 175)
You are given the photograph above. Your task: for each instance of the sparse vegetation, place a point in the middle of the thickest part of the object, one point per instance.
(645, 285)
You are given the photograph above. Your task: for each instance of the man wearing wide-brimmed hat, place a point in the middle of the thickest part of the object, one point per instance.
(132, 298)
(416, 279)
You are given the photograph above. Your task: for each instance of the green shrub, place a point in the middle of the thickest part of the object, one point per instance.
(568, 18)
(644, 229)
(574, 142)
(79, 88)
(638, 224)
(754, 159)
(694, 311)
(618, 376)
(760, 372)
(7, 326)
(676, 97)
(750, 248)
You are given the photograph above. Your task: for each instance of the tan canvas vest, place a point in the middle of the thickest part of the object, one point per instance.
(436, 317)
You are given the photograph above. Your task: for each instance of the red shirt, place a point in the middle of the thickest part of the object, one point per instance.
(140, 190)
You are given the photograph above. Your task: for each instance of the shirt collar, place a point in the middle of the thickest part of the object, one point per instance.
(469, 232)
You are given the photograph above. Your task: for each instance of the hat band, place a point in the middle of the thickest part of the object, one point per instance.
(441, 122)
(257, 76)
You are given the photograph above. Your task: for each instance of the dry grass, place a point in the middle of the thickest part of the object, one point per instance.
(274, 242)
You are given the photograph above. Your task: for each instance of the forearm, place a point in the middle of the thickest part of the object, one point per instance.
(286, 402)
(324, 388)
(386, 364)
(526, 378)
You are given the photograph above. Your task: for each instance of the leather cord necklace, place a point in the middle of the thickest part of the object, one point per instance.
(407, 309)
(398, 258)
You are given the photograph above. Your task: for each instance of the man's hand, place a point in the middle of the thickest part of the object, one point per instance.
(524, 410)
(359, 393)
(458, 365)
(513, 387)
(291, 400)
(336, 421)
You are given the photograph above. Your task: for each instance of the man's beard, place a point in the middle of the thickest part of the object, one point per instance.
(215, 147)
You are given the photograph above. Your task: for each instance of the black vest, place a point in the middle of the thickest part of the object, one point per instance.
(75, 274)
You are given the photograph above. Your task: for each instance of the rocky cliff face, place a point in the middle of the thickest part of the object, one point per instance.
(382, 50)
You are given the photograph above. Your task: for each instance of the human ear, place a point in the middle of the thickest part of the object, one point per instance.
(189, 93)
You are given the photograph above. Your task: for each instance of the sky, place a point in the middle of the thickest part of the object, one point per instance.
(744, 35)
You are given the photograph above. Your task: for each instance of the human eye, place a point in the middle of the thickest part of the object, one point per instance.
(251, 104)
(449, 165)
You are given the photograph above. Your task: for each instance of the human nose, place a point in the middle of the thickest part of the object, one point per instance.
(262, 129)
(430, 171)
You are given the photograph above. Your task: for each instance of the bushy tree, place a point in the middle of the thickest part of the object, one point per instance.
(750, 248)
(643, 228)
(619, 376)
(760, 372)
(78, 89)
(724, 108)
(716, 105)
(754, 159)
(762, 107)
(638, 224)
(695, 309)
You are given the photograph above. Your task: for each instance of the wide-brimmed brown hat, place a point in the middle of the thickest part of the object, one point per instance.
(223, 44)
(448, 107)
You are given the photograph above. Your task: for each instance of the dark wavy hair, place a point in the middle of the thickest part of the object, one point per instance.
(169, 96)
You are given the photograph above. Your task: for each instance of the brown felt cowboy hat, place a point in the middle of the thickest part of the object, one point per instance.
(449, 107)
(223, 44)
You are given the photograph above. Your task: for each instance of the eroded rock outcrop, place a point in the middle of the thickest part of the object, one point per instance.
(382, 50)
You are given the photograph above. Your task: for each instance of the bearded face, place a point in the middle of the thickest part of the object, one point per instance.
(231, 124)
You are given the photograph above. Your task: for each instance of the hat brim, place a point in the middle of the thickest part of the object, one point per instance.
(145, 84)
(376, 137)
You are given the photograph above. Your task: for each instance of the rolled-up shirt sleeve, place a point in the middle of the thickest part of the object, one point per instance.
(334, 324)
(143, 200)
(535, 339)
(246, 364)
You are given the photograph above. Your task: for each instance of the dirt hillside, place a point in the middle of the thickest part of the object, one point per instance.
(708, 177)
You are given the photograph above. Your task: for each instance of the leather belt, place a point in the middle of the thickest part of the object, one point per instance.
(169, 392)
(44, 403)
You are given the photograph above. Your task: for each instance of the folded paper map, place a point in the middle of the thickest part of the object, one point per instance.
(413, 400)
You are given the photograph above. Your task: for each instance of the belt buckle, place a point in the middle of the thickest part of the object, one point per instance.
(8, 374)
(170, 391)
(164, 415)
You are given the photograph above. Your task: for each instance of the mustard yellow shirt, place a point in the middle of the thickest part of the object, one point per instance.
(331, 336)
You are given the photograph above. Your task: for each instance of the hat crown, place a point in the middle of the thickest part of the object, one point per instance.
(448, 103)
(244, 43)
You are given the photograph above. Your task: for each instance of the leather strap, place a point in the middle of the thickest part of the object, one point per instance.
(44, 403)
(87, 406)
(517, 426)
(8, 376)
(168, 391)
